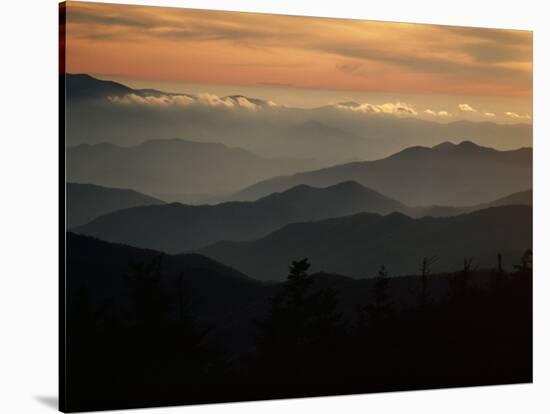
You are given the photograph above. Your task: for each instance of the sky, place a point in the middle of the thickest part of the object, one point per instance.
(445, 73)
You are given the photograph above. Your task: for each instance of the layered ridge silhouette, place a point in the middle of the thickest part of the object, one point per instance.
(176, 228)
(357, 245)
(446, 174)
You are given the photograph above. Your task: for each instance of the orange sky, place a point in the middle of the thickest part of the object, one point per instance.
(194, 46)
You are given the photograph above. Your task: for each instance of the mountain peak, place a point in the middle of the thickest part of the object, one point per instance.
(349, 185)
(468, 144)
(464, 147)
(344, 186)
(444, 146)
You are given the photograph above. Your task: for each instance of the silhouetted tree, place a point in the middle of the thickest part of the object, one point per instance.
(381, 309)
(460, 282)
(301, 329)
(498, 276)
(526, 263)
(426, 268)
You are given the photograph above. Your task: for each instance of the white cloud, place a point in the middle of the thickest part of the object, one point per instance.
(162, 100)
(517, 116)
(491, 114)
(437, 113)
(466, 108)
(209, 99)
(205, 99)
(245, 103)
(398, 108)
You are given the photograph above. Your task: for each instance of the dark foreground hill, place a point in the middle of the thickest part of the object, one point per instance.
(86, 202)
(102, 269)
(446, 174)
(176, 227)
(358, 245)
(139, 335)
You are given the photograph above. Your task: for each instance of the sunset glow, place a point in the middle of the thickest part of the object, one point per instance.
(168, 44)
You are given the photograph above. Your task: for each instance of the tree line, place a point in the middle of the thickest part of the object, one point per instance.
(303, 343)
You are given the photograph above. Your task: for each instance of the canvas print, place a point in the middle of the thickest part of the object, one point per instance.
(262, 206)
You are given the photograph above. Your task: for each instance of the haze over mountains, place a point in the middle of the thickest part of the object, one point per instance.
(198, 173)
(281, 186)
(105, 111)
(174, 169)
(358, 245)
(446, 174)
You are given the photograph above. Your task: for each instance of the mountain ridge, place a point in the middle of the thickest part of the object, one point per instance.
(358, 245)
(422, 175)
(176, 227)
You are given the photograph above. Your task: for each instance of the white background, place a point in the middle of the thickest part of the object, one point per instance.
(28, 205)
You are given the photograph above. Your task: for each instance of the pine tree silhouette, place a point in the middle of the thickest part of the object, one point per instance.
(301, 329)
(426, 269)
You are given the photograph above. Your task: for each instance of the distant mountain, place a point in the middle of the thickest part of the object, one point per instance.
(173, 168)
(329, 135)
(358, 245)
(446, 174)
(320, 141)
(82, 87)
(395, 133)
(524, 198)
(177, 227)
(519, 198)
(86, 202)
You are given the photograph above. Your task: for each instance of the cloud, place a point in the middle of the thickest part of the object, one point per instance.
(398, 108)
(491, 114)
(204, 99)
(517, 116)
(466, 108)
(245, 103)
(159, 101)
(212, 100)
(437, 113)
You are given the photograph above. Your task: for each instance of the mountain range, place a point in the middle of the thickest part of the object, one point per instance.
(174, 169)
(358, 245)
(446, 174)
(100, 111)
(176, 227)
